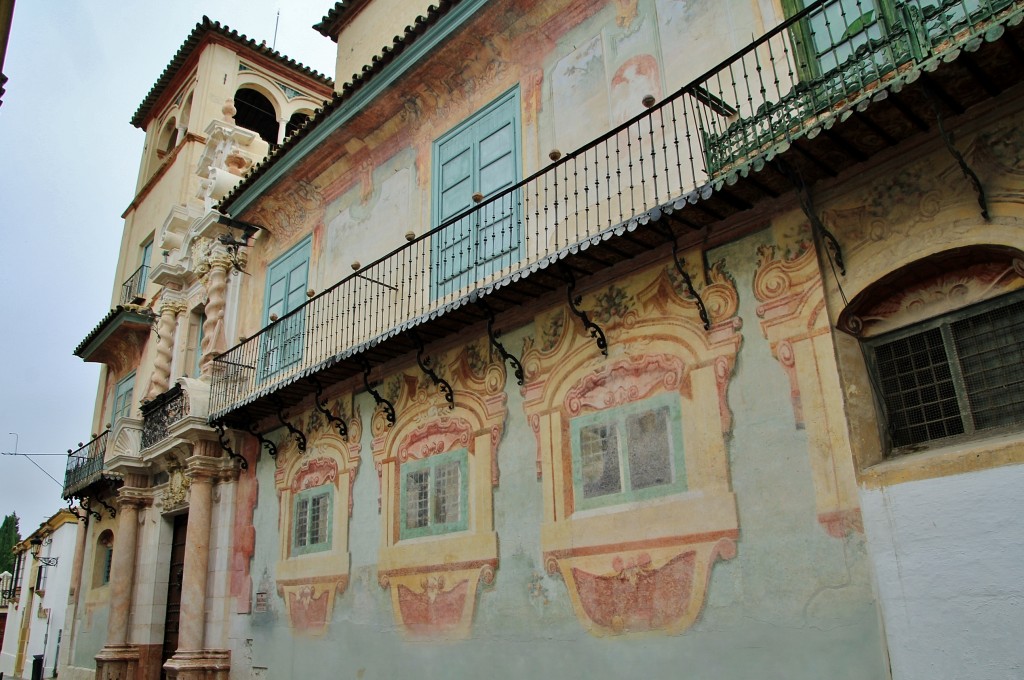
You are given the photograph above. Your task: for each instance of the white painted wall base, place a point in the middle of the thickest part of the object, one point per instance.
(949, 558)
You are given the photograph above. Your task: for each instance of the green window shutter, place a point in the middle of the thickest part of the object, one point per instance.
(123, 398)
(480, 156)
(146, 256)
(287, 279)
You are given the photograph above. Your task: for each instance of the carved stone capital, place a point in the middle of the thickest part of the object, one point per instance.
(133, 497)
(204, 469)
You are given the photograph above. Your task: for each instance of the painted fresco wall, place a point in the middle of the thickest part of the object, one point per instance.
(734, 565)
(741, 552)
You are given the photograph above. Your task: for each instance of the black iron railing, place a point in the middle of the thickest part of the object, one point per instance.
(85, 464)
(808, 71)
(135, 286)
(159, 414)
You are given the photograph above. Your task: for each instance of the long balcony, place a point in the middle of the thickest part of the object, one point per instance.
(831, 87)
(85, 465)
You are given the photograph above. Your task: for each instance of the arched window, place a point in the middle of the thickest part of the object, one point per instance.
(255, 112)
(103, 559)
(943, 338)
(297, 120)
(168, 138)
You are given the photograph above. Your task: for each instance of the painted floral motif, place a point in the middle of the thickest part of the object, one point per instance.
(614, 303)
(537, 591)
(475, 359)
(552, 333)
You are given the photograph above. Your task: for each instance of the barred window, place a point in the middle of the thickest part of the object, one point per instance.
(434, 494)
(312, 520)
(953, 376)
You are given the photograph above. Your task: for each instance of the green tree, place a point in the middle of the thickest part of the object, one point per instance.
(9, 536)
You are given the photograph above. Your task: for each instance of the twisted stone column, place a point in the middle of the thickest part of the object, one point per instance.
(214, 339)
(160, 380)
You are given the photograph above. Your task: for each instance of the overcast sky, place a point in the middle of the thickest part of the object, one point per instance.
(77, 70)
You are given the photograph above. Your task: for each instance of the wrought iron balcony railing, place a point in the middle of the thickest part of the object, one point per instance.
(813, 68)
(159, 414)
(85, 464)
(135, 286)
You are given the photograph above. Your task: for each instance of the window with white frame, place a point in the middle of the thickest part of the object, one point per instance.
(628, 453)
(122, 407)
(312, 520)
(434, 492)
(957, 375)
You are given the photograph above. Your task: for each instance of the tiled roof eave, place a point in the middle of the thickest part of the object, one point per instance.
(194, 39)
(358, 82)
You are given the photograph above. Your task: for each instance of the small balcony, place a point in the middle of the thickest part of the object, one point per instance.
(133, 290)
(177, 415)
(832, 86)
(85, 465)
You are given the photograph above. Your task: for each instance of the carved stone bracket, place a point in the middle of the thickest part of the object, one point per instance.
(574, 301)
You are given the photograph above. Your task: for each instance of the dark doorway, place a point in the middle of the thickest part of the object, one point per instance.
(172, 618)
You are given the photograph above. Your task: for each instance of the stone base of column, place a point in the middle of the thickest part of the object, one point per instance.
(206, 664)
(117, 662)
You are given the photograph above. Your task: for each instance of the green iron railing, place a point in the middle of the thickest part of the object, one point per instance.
(85, 464)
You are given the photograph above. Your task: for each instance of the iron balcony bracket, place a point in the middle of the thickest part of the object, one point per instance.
(442, 385)
(109, 508)
(84, 502)
(71, 507)
(807, 205)
(389, 408)
(337, 421)
(300, 438)
(574, 301)
(493, 335)
(947, 137)
(222, 435)
(48, 561)
(270, 446)
(702, 311)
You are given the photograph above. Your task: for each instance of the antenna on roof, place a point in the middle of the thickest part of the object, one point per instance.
(276, 22)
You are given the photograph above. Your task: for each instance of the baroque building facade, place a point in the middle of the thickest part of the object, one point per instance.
(586, 337)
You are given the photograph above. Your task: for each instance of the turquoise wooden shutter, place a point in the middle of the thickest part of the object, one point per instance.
(123, 398)
(147, 255)
(287, 279)
(479, 156)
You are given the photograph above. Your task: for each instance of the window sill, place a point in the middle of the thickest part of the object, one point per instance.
(942, 461)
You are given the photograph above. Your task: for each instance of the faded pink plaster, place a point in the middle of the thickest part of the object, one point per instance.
(244, 530)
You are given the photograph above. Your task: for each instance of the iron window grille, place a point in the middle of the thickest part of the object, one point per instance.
(951, 377)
